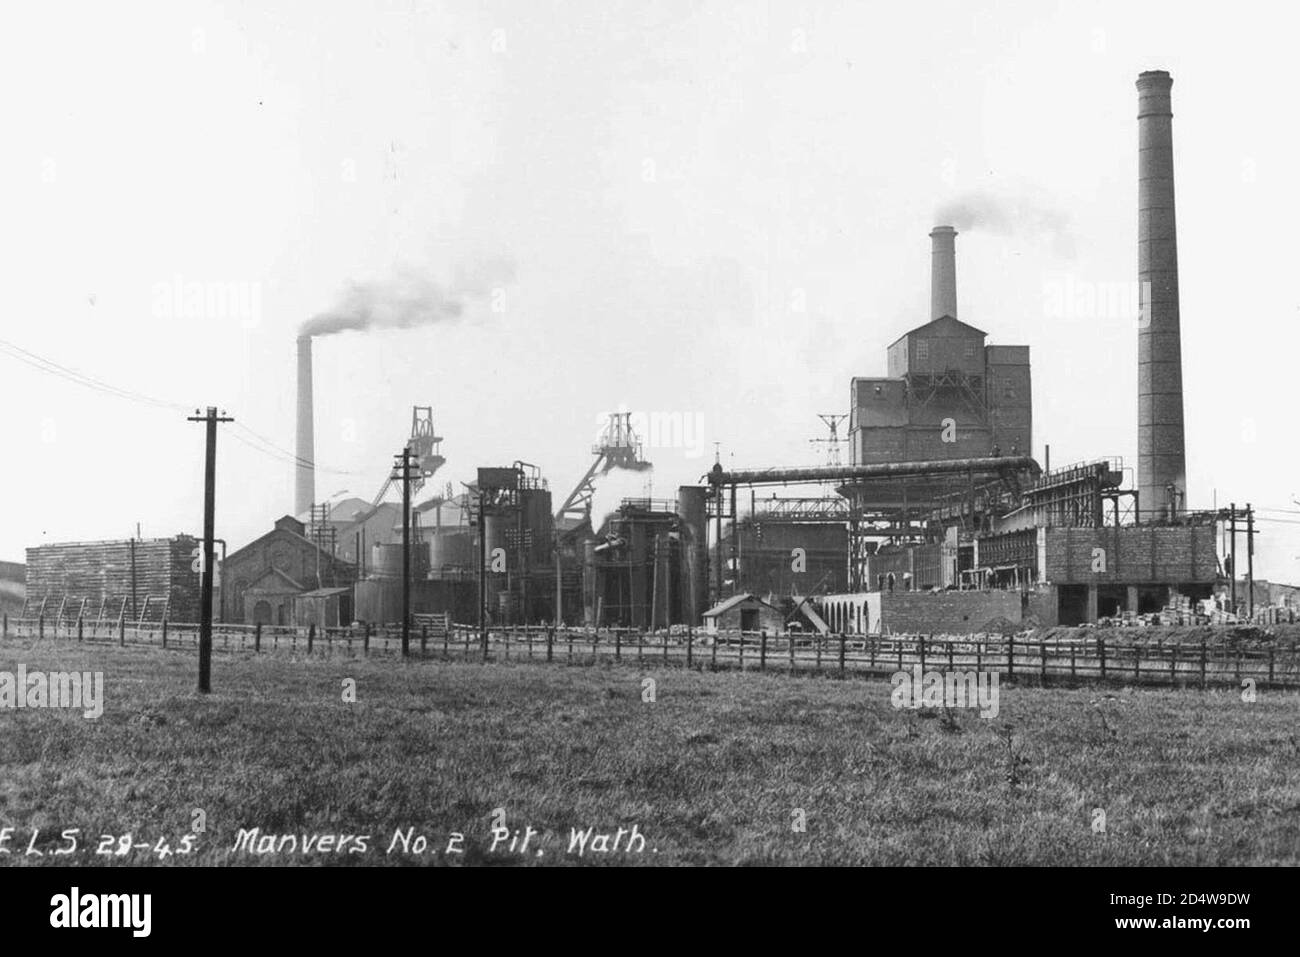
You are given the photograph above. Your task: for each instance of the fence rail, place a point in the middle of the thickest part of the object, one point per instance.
(1113, 657)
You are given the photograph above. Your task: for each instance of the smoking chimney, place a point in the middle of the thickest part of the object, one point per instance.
(304, 489)
(1162, 459)
(943, 272)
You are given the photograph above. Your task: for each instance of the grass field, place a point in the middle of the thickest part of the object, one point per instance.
(717, 769)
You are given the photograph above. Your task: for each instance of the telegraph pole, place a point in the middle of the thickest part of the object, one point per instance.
(1232, 534)
(1250, 561)
(209, 558)
(404, 463)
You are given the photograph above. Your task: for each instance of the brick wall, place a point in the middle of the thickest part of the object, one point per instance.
(1144, 554)
(950, 612)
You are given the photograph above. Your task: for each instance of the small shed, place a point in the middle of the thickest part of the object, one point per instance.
(743, 612)
(323, 607)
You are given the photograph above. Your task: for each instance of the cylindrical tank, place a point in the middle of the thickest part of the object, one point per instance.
(589, 582)
(494, 532)
(540, 523)
(386, 560)
(692, 519)
(451, 549)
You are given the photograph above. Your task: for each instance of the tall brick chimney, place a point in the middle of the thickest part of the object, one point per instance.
(1162, 462)
(943, 272)
(304, 487)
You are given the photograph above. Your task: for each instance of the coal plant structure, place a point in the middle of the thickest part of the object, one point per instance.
(952, 525)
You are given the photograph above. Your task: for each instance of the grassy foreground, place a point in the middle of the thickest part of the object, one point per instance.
(717, 769)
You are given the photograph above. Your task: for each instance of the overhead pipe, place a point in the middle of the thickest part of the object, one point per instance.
(995, 464)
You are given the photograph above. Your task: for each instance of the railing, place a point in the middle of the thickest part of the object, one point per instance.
(1111, 657)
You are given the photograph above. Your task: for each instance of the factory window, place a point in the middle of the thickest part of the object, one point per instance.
(922, 350)
(970, 349)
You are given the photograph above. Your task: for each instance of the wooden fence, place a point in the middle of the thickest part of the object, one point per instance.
(1108, 656)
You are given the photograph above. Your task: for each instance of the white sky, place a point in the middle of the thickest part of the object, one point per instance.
(673, 182)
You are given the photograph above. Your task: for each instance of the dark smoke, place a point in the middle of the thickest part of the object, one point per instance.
(408, 299)
(1007, 215)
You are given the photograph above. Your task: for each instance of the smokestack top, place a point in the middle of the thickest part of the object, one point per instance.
(946, 230)
(1153, 93)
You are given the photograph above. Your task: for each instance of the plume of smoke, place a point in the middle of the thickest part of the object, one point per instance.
(614, 486)
(1010, 214)
(408, 299)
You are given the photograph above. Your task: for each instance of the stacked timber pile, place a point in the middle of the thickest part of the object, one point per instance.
(83, 577)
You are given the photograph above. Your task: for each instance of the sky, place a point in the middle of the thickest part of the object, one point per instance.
(713, 216)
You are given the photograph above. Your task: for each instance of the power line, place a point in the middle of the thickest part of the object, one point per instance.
(42, 364)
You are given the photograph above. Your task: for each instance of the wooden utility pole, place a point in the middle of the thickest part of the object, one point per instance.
(404, 463)
(1250, 561)
(209, 558)
(1232, 551)
(482, 570)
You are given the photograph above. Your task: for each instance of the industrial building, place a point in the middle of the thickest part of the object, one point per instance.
(262, 580)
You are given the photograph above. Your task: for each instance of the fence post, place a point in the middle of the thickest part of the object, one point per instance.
(618, 645)
(40, 626)
(762, 650)
(640, 640)
(1204, 662)
(365, 639)
(568, 634)
(466, 642)
(5, 632)
(665, 647)
(424, 639)
(595, 637)
(1011, 656)
(446, 635)
(871, 647)
(311, 636)
(164, 631)
(1101, 654)
(713, 660)
(818, 665)
(80, 635)
(257, 638)
(1271, 650)
(922, 653)
(1173, 664)
(790, 639)
(1042, 661)
(690, 642)
(1137, 660)
(742, 651)
(121, 632)
(843, 640)
(507, 646)
(949, 644)
(550, 643)
(900, 655)
(1074, 648)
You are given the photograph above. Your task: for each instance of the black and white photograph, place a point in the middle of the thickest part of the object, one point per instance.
(676, 433)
